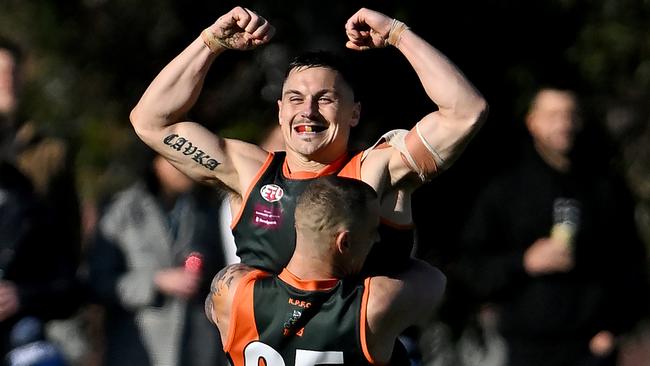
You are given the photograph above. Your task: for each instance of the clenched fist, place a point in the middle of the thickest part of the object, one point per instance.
(239, 29)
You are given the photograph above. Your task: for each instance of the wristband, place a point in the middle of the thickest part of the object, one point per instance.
(395, 33)
(212, 41)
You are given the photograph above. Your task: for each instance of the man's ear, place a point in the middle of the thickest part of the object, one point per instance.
(356, 114)
(343, 241)
(279, 111)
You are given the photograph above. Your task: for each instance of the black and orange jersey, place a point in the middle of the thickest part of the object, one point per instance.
(282, 320)
(264, 229)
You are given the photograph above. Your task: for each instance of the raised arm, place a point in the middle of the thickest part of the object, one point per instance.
(437, 140)
(160, 119)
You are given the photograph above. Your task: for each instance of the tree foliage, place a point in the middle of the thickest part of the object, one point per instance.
(90, 60)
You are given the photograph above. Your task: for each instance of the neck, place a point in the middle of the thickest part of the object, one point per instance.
(310, 266)
(301, 163)
(555, 160)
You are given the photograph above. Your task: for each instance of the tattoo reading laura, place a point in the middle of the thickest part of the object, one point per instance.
(182, 144)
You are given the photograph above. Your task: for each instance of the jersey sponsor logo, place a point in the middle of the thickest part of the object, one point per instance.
(272, 192)
(267, 217)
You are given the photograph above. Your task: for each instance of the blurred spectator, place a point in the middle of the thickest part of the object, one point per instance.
(156, 252)
(31, 348)
(40, 257)
(552, 244)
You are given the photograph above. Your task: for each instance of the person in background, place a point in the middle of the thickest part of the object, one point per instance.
(155, 252)
(40, 259)
(30, 346)
(551, 245)
(317, 310)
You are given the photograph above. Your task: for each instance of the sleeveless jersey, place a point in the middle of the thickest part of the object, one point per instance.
(285, 321)
(264, 229)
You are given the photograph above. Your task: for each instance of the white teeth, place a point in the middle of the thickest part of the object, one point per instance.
(308, 129)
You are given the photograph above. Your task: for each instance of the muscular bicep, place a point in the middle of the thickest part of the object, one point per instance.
(430, 147)
(204, 156)
(446, 136)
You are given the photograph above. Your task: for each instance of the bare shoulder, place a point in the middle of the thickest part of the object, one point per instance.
(242, 152)
(374, 166)
(247, 157)
(383, 167)
(226, 280)
(222, 292)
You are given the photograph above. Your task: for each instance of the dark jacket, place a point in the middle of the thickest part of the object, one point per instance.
(606, 289)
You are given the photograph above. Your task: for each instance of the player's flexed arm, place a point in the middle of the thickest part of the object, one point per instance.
(440, 136)
(160, 119)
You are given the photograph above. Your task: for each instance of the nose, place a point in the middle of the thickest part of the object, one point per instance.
(310, 110)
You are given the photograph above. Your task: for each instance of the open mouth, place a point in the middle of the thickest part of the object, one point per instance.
(309, 129)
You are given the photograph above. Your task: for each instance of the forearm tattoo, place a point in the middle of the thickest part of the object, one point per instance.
(187, 148)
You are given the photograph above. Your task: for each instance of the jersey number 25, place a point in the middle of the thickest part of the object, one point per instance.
(258, 350)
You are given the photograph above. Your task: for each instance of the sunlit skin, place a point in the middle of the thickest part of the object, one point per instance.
(7, 82)
(363, 238)
(316, 113)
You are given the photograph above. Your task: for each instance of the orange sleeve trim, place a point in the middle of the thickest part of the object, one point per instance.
(241, 329)
(395, 225)
(363, 321)
(257, 177)
(353, 167)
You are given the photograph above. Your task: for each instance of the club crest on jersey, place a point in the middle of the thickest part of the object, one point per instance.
(272, 192)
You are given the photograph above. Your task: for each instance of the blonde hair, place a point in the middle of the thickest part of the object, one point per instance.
(332, 202)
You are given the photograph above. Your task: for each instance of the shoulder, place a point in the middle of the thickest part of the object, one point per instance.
(243, 151)
(223, 290)
(226, 282)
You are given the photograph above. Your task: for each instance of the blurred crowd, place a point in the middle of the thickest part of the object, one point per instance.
(549, 260)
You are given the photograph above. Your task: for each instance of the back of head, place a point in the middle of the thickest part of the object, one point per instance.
(332, 202)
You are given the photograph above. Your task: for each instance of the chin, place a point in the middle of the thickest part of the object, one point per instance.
(307, 149)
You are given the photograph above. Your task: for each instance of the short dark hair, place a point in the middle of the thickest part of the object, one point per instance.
(324, 59)
(553, 88)
(332, 200)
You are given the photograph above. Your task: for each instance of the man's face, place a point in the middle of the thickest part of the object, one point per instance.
(316, 113)
(7, 82)
(553, 122)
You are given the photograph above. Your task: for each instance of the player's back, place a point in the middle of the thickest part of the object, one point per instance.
(286, 321)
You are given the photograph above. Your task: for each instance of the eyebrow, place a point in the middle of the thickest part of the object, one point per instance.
(319, 93)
